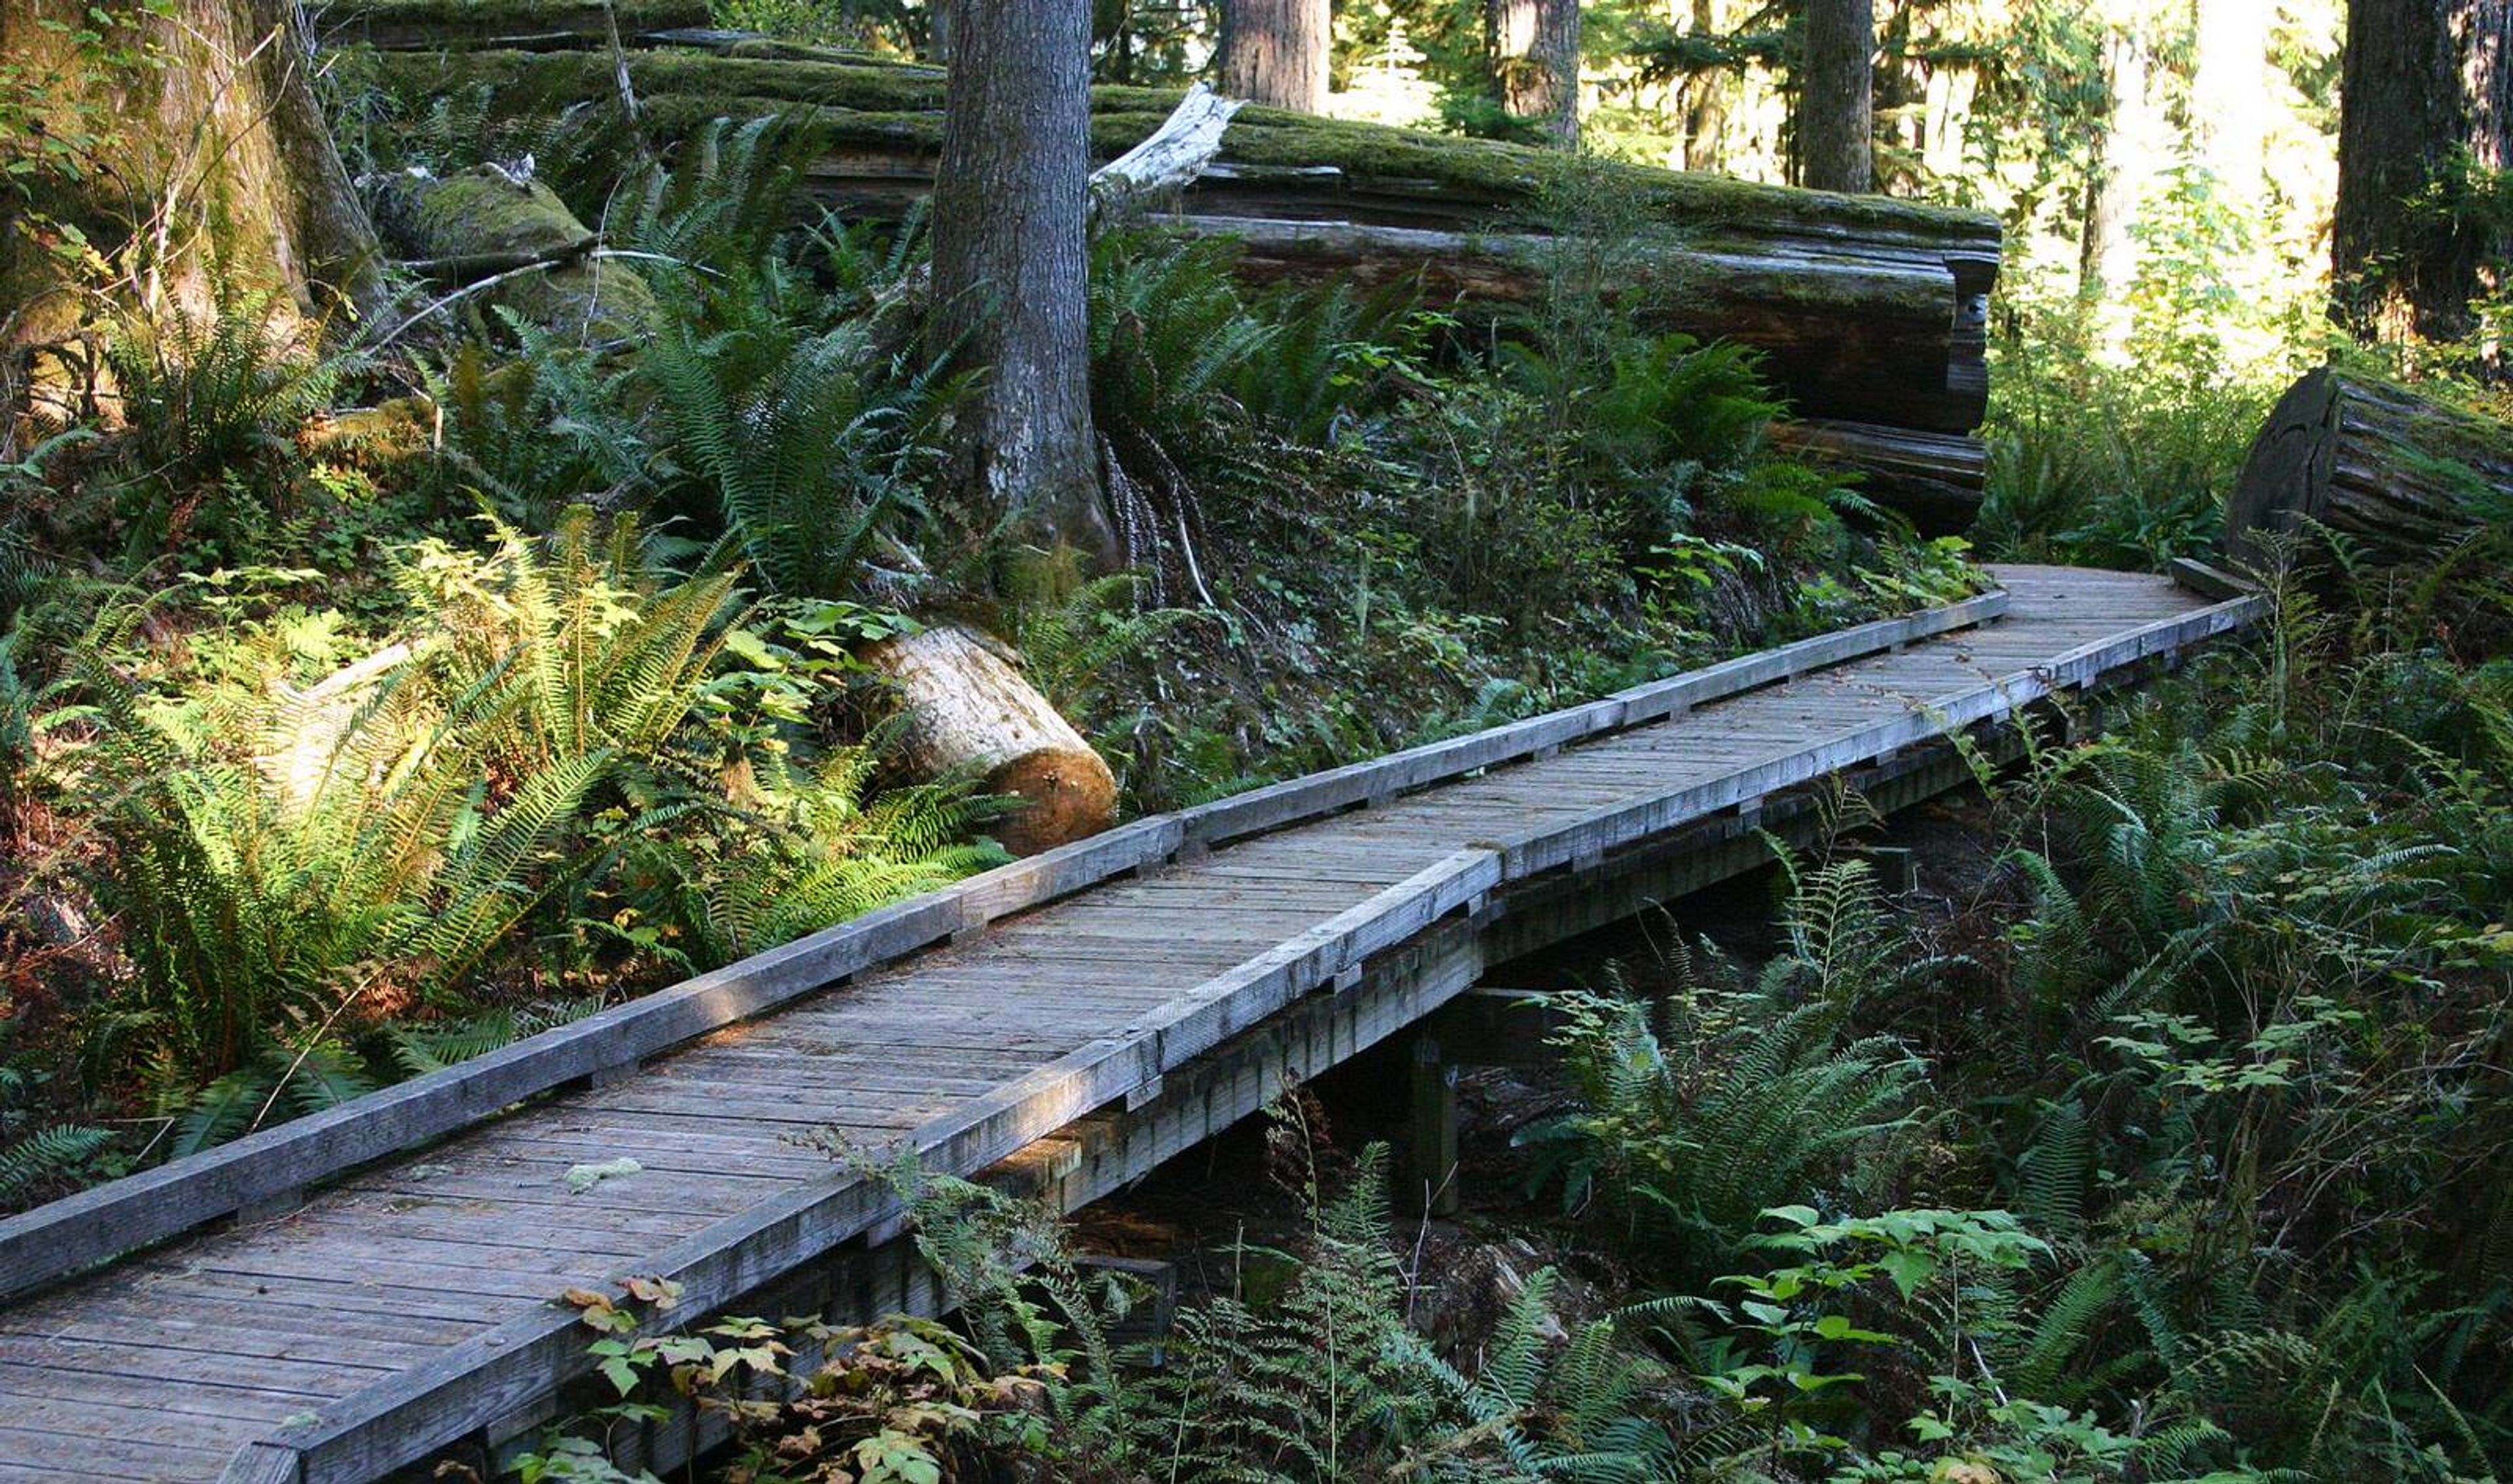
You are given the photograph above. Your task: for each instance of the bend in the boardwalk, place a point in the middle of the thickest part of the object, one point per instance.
(410, 1303)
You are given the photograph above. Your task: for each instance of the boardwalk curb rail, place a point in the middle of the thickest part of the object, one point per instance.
(70, 1235)
(408, 1415)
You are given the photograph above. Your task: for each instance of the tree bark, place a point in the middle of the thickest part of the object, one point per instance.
(1891, 339)
(1535, 51)
(1936, 479)
(1275, 52)
(1836, 96)
(2427, 93)
(207, 168)
(1705, 107)
(968, 712)
(1012, 265)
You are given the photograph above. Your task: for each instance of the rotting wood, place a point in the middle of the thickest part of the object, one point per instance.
(2404, 478)
(968, 712)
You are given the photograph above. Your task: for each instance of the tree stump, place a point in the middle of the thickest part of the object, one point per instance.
(967, 711)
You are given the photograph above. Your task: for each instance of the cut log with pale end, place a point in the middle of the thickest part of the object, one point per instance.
(965, 711)
(2404, 479)
(1936, 479)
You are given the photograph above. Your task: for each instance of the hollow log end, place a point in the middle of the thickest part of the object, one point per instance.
(1065, 796)
(2285, 478)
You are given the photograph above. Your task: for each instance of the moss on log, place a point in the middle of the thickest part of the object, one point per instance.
(483, 225)
(1870, 309)
(455, 24)
(2404, 478)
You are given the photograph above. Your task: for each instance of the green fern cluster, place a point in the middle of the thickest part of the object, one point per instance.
(1321, 1381)
(556, 724)
(817, 848)
(282, 861)
(212, 392)
(1693, 1117)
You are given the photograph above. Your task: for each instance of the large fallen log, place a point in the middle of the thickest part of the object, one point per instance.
(1869, 309)
(2405, 480)
(1848, 337)
(502, 232)
(513, 24)
(1936, 479)
(967, 711)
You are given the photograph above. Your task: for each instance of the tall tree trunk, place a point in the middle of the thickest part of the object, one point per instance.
(2135, 141)
(2427, 93)
(1011, 263)
(1705, 110)
(1836, 96)
(1535, 51)
(198, 161)
(1275, 52)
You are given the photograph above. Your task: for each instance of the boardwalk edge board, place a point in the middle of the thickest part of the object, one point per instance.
(70, 1235)
(437, 1403)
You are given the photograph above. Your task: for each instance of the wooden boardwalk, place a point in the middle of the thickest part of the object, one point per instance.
(339, 1298)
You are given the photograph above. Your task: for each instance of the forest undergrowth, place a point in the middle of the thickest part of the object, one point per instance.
(364, 710)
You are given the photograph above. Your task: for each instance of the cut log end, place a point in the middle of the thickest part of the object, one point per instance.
(2285, 478)
(967, 711)
(2403, 480)
(1065, 795)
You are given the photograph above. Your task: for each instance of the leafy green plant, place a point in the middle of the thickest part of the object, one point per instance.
(214, 394)
(1690, 1119)
(811, 465)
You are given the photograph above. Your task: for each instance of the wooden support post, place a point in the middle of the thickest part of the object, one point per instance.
(1431, 1164)
(1896, 868)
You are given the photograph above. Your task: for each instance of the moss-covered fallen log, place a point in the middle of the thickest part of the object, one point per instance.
(1870, 309)
(513, 24)
(515, 239)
